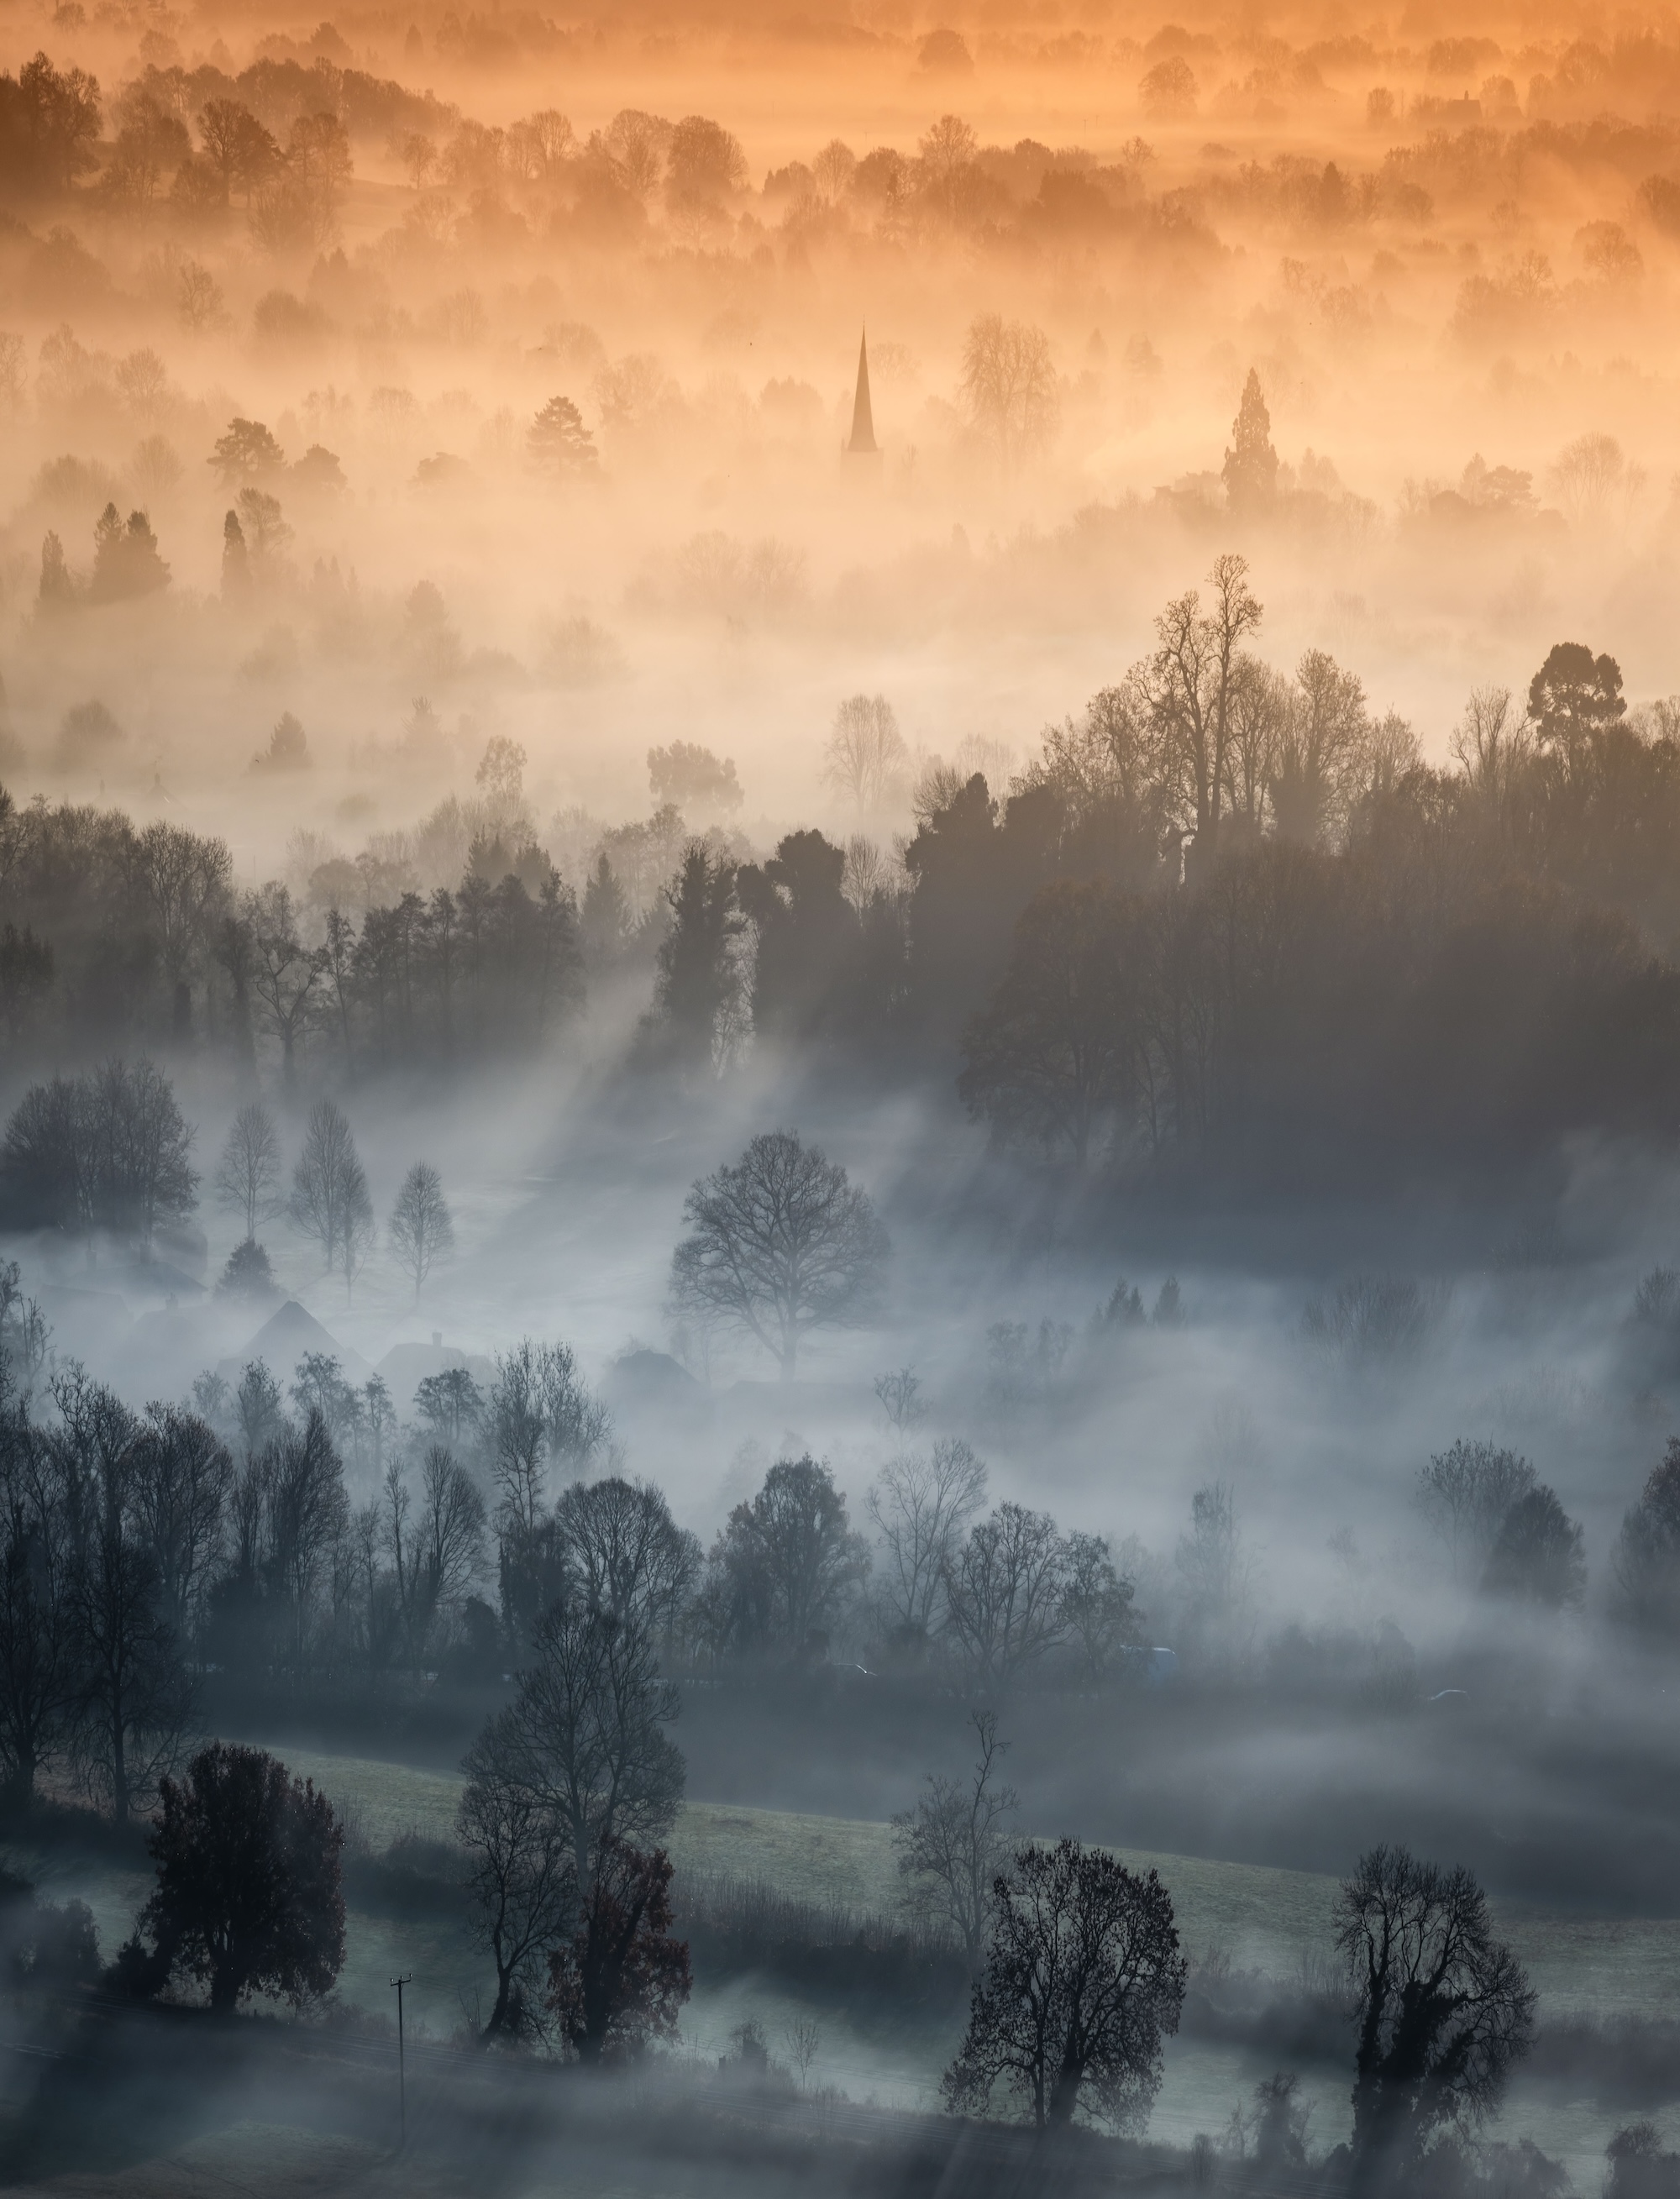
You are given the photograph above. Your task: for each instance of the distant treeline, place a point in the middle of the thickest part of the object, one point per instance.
(1228, 926)
(111, 935)
(142, 1553)
(52, 121)
(1231, 925)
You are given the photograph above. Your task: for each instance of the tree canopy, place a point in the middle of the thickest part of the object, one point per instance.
(1083, 1979)
(247, 1897)
(1444, 2011)
(781, 1243)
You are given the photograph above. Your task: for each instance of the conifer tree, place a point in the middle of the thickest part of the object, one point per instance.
(236, 560)
(1252, 465)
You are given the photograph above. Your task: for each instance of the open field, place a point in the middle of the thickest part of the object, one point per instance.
(1265, 1919)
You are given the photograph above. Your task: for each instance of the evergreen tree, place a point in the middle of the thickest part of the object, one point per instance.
(58, 589)
(1573, 696)
(126, 559)
(1252, 465)
(699, 986)
(558, 442)
(236, 560)
(606, 917)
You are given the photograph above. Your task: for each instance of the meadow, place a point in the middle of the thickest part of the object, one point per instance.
(1266, 1920)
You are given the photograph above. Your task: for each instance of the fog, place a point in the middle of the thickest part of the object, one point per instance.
(1158, 793)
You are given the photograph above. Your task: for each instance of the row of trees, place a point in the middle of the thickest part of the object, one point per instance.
(248, 1897)
(1367, 964)
(138, 1550)
(1078, 1972)
(104, 1547)
(105, 1151)
(1507, 1535)
(1080, 1978)
(1227, 922)
(1504, 1529)
(242, 1548)
(1187, 916)
(276, 140)
(109, 1151)
(1080, 1981)
(329, 1201)
(112, 931)
(996, 1598)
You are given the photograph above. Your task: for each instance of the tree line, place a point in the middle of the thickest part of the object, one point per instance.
(1079, 1975)
(141, 1551)
(107, 1153)
(111, 935)
(52, 121)
(1227, 927)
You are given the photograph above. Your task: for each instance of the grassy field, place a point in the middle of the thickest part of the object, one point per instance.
(1265, 1918)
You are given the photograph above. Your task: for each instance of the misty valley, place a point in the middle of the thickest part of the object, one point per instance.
(839, 1102)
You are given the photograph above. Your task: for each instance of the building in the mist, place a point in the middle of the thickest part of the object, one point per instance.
(863, 444)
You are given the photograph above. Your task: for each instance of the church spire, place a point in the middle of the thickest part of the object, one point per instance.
(863, 444)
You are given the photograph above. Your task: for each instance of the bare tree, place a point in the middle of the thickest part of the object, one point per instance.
(591, 1716)
(1189, 686)
(865, 751)
(422, 1230)
(451, 1404)
(184, 879)
(248, 1177)
(1009, 385)
(1443, 2010)
(802, 2036)
(780, 1244)
(1320, 743)
(183, 1475)
(522, 1878)
(330, 1199)
(1097, 1609)
(919, 1507)
(834, 168)
(1003, 1595)
(1262, 705)
(1084, 1978)
(1214, 1564)
(1465, 1493)
(359, 1238)
(303, 1515)
(40, 1671)
(623, 1553)
(139, 1145)
(437, 1557)
(26, 1339)
(1591, 476)
(953, 1845)
(1493, 746)
(277, 967)
(576, 1424)
(517, 1437)
(900, 1397)
(135, 1697)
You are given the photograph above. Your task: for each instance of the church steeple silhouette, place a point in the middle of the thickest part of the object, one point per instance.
(863, 444)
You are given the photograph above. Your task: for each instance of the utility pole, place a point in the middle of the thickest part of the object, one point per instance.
(407, 1978)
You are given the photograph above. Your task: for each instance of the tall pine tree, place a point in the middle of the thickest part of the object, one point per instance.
(1252, 465)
